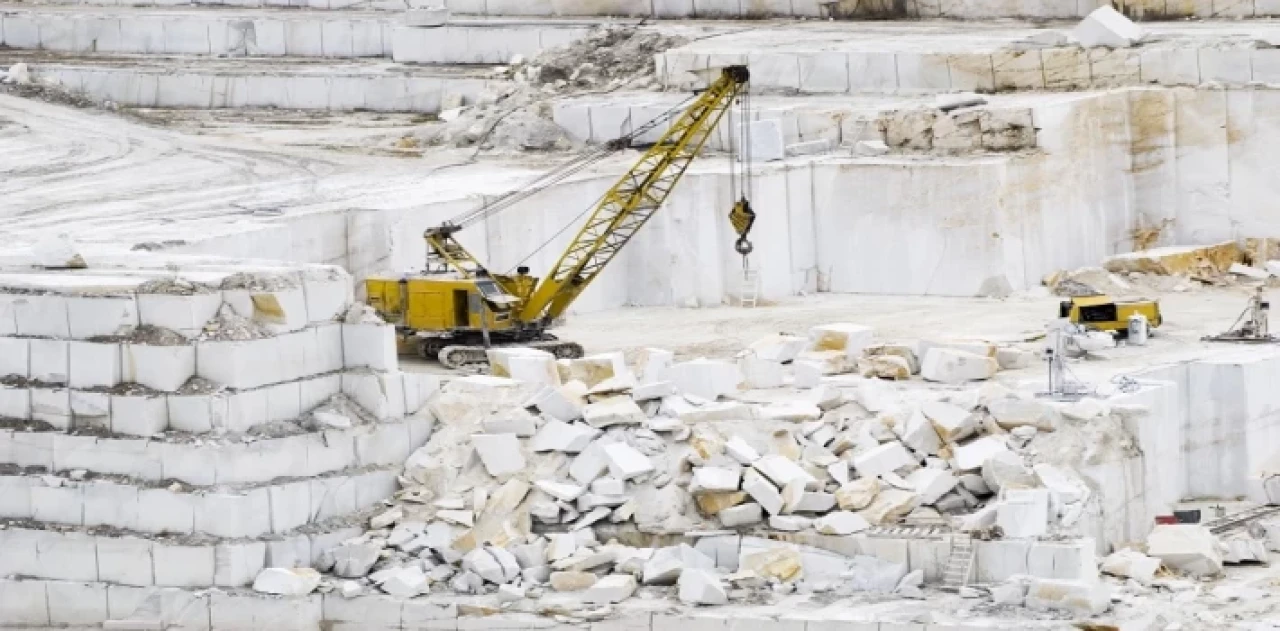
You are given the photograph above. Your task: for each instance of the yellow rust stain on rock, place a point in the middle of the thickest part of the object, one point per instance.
(710, 504)
(1209, 259)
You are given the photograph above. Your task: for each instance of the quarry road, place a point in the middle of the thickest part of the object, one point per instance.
(721, 332)
(59, 165)
(154, 175)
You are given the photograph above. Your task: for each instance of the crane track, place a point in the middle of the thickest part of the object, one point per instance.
(460, 356)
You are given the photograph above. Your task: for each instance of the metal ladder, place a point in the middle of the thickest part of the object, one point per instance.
(750, 295)
(959, 564)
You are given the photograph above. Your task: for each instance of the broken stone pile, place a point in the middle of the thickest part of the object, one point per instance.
(1172, 268)
(519, 116)
(554, 476)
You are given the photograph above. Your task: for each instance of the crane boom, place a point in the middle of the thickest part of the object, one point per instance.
(626, 207)
(454, 309)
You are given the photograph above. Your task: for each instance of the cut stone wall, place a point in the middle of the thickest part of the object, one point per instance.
(281, 35)
(370, 88)
(868, 68)
(25, 603)
(1228, 419)
(159, 427)
(752, 9)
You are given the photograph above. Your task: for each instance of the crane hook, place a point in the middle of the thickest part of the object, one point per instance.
(743, 247)
(742, 218)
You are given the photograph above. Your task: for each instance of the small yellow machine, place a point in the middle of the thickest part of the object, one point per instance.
(456, 308)
(1104, 313)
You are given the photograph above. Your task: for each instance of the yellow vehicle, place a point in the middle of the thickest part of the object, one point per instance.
(456, 308)
(1104, 313)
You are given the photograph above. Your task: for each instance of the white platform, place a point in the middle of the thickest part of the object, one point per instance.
(280, 84)
(385, 444)
(275, 33)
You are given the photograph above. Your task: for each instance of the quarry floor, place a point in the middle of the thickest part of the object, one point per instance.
(319, 160)
(1021, 318)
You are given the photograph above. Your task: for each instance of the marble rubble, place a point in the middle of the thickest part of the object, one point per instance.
(526, 488)
(485, 508)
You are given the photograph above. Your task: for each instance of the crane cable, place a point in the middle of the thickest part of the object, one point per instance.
(561, 173)
(742, 217)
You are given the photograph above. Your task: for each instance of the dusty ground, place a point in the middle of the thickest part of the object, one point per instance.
(1021, 320)
(723, 331)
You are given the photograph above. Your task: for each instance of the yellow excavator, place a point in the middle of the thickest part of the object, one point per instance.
(456, 308)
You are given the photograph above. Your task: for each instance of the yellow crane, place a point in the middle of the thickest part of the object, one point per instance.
(456, 308)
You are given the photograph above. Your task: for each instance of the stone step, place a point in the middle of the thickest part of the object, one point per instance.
(130, 559)
(835, 58)
(252, 511)
(210, 462)
(293, 83)
(277, 33)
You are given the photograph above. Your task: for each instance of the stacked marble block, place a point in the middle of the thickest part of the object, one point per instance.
(119, 477)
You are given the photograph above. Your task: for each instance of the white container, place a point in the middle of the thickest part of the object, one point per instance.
(1138, 329)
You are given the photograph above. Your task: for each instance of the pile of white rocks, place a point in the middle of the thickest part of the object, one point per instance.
(537, 474)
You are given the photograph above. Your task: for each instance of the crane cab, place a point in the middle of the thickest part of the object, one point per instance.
(433, 310)
(440, 303)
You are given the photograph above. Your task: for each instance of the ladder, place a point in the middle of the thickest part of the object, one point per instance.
(959, 564)
(750, 295)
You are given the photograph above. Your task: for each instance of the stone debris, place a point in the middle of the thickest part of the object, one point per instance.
(549, 476)
(701, 587)
(298, 581)
(947, 365)
(1204, 261)
(1106, 27)
(611, 589)
(840, 523)
(1080, 598)
(524, 481)
(1129, 563)
(572, 581)
(17, 74)
(1187, 548)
